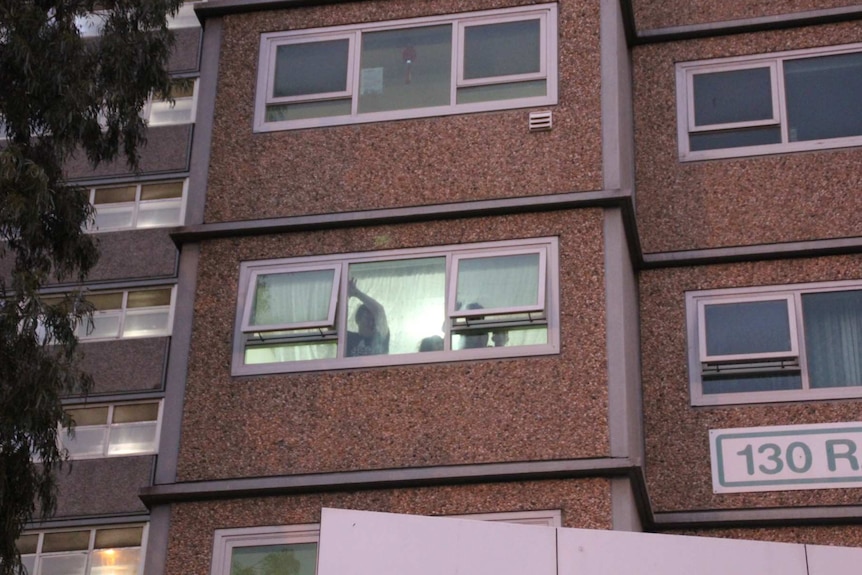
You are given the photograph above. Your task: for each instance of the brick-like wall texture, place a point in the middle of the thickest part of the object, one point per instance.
(585, 503)
(537, 408)
(400, 163)
(677, 442)
(739, 201)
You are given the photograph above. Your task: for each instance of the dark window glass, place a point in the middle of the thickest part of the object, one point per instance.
(503, 49)
(747, 328)
(311, 68)
(748, 383)
(735, 138)
(732, 96)
(833, 338)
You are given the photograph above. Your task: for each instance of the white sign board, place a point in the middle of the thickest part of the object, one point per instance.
(779, 458)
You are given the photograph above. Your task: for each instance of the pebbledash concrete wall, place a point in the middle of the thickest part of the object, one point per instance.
(651, 14)
(677, 434)
(400, 163)
(739, 201)
(528, 409)
(584, 503)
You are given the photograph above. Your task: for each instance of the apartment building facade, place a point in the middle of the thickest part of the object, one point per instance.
(586, 264)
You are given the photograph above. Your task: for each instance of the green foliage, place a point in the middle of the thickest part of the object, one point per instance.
(60, 95)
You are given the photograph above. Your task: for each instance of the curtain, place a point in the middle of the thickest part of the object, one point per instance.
(833, 338)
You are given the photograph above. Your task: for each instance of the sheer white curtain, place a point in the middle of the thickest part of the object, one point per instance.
(833, 338)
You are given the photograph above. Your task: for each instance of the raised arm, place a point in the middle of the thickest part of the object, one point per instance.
(377, 310)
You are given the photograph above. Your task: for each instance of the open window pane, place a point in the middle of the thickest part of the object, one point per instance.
(823, 97)
(405, 68)
(833, 338)
(747, 329)
(311, 68)
(499, 284)
(411, 296)
(293, 299)
(502, 49)
(733, 96)
(290, 559)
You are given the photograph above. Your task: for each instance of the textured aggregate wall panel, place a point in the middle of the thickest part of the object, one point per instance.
(126, 365)
(167, 150)
(106, 486)
(186, 52)
(584, 503)
(135, 254)
(677, 443)
(739, 201)
(651, 14)
(836, 535)
(519, 409)
(407, 162)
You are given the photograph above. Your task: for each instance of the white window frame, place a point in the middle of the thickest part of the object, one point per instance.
(685, 73)
(90, 549)
(700, 363)
(226, 540)
(146, 112)
(546, 13)
(548, 316)
(110, 427)
(124, 311)
(137, 203)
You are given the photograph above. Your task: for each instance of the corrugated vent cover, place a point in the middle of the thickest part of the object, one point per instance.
(540, 121)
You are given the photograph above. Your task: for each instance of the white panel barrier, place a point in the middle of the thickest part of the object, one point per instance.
(370, 543)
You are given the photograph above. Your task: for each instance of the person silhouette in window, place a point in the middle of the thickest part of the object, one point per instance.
(372, 337)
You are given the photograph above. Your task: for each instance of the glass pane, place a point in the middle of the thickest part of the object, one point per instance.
(295, 559)
(734, 138)
(157, 214)
(147, 323)
(748, 383)
(103, 326)
(292, 297)
(114, 195)
(63, 564)
(747, 328)
(89, 415)
(277, 353)
(507, 337)
(88, 441)
(408, 68)
(66, 541)
(119, 537)
(396, 304)
(823, 97)
(27, 543)
(113, 217)
(502, 49)
(510, 91)
(129, 439)
(182, 89)
(115, 562)
(149, 298)
(311, 68)
(135, 413)
(161, 191)
(163, 113)
(306, 110)
(29, 563)
(833, 338)
(732, 96)
(499, 282)
(106, 301)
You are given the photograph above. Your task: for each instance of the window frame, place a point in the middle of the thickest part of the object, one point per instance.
(109, 427)
(269, 42)
(91, 549)
(695, 302)
(686, 126)
(136, 204)
(549, 319)
(123, 312)
(146, 112)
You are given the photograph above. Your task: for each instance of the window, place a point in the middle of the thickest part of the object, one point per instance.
(408, 68)
(117, 430)
(160, 112)
(784, 102)
(396, 307)
(104, 551)
(775, 344)
(136, 206)
(91, 25)
(126, 314)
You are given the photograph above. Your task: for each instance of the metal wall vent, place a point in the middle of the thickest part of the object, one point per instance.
(540, 121)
